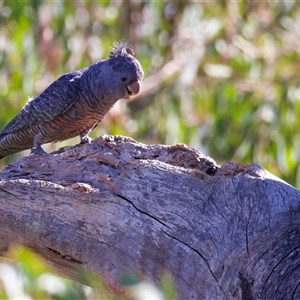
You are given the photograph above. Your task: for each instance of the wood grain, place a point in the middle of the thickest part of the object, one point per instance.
(229, 232)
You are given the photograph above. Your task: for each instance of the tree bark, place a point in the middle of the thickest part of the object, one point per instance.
(229, 232)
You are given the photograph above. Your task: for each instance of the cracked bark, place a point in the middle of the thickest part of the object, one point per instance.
(229, 232)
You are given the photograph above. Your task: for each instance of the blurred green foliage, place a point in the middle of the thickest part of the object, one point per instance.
(219, 76)
(222, 77)
(24, 275)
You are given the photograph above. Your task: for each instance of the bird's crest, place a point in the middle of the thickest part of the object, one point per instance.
(122, 48)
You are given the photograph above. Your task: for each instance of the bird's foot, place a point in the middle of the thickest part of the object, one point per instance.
(37, 150)
(85, 139)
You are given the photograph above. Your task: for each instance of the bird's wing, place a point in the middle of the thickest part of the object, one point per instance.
(54, 101)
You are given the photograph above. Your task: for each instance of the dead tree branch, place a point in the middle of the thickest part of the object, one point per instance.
(229, 232)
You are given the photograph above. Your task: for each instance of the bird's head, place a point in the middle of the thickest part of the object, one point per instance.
(127, 71)
(118, 77)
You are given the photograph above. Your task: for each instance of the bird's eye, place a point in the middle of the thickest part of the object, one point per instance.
(124, 79)
(130, 51)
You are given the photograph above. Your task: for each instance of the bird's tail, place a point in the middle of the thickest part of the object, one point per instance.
(12, 142)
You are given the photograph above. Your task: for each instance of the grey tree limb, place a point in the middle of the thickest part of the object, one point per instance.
(229, 232)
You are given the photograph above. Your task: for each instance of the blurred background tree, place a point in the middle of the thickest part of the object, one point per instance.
(221, 77)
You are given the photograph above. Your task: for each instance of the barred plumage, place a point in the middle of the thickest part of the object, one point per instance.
(74, 104)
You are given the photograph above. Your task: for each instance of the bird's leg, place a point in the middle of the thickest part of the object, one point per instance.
(84, 138)
(37, 149)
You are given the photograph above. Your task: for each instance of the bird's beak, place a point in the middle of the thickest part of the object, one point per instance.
(133, 89)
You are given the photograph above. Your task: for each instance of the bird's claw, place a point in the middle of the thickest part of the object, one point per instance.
(38, 151)
(85, 139)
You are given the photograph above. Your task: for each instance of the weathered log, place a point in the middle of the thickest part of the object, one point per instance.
(229, 232)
